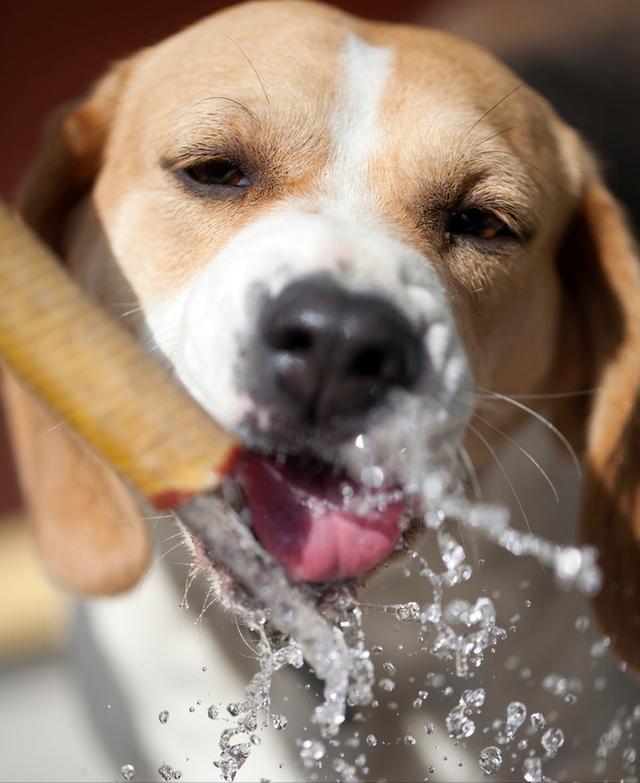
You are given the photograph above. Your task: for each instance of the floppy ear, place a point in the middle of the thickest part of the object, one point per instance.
(600, 269)
(88, 528)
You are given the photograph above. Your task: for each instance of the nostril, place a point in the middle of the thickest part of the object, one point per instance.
(369, 362)
(292, 339)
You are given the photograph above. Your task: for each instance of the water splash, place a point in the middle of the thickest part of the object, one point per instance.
(325, 630)
(573, 567)
(490, 760)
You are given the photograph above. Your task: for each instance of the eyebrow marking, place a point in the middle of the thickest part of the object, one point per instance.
(354, 123)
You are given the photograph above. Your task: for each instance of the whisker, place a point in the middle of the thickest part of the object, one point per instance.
(170, 538)
(52, 427)
(205, 604)
(157, 562)
(556, 396)
(495, 135)
(129, 312)
(220, 98)
(507, 479)
(493, 152)
(523, 451)
(472, 473)
(189, 581)
(492, 108)
(247, 644)
(251, 65)
(539, 417)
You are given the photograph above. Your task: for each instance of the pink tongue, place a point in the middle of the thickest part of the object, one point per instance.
(298, 517)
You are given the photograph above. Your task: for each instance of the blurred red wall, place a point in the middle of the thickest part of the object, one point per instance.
(52, 51)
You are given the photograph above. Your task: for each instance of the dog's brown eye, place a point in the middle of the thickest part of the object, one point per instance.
(478, 223)
(217, 173)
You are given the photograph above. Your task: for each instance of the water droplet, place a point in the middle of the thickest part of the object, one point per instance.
(610, 739)
(552, 740)
(233, 709)
(127, 771)
(599, 647)
(629, 755)
(405, 613)
(409, 739)
(193, 709)
(474, 699)
(490, 760)
(386, 684)
(538, 721)
(532, 770)
(389, 667)
(582, 623)
(516, 716)
(311, 752)
(459, 725)
(371, 740)
(166, 772)
(213, 713)
(430, 728)
(163, 716)
(278, 721)
(372, 476)
(376, 649)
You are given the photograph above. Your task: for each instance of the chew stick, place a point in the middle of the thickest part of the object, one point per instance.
(96, 376)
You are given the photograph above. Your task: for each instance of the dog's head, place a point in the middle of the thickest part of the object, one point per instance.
(334, 232)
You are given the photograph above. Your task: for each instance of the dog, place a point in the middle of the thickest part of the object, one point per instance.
(326, 228)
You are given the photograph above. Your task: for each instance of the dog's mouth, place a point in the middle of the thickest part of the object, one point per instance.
(320, 524)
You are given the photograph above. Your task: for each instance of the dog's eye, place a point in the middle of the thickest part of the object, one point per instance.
(217, 173)
(480, 223)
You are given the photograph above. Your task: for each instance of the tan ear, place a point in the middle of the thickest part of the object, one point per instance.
(600, 267)
(89, 530)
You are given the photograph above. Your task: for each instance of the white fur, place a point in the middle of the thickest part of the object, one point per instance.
(355, 122)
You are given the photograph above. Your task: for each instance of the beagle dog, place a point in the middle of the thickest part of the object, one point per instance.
(336, 232)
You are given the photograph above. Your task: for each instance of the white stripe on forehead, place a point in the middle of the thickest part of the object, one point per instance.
(355, 120)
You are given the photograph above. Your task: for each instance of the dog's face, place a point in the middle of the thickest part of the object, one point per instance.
(328, 239)
(336, 231)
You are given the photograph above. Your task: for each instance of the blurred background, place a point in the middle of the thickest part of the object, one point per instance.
(582, 54)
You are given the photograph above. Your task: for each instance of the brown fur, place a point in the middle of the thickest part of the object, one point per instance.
(559, 313)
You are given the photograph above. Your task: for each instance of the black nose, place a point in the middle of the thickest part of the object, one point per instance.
(334, 353)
